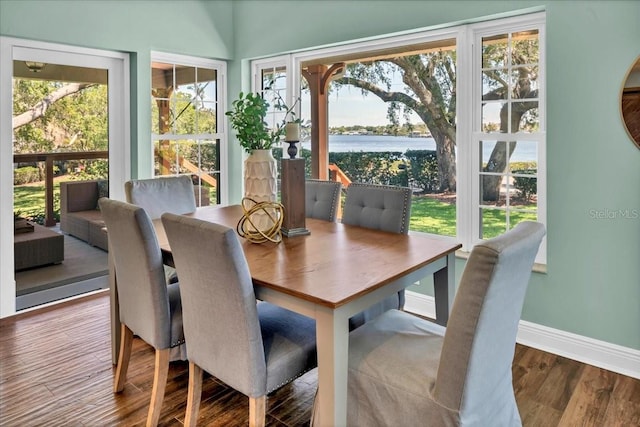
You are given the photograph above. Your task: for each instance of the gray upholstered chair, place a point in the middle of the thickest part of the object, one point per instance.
(173, 194)
(322, 199)
(402, 369)
(380, 207)
(149, 307)
(156, 196)
(254, 347)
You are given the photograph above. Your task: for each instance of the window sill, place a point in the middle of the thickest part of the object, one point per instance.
(537, 267)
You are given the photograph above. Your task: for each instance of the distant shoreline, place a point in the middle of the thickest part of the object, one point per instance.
(525, 151)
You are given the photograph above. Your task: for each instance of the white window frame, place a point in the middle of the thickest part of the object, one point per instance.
(467, 114)
(117, 64)
(292, 83)
(473, 128)
(282, 61)
(221, 122)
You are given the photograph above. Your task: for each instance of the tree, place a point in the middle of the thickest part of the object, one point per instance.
(430, 91)
(54, 116)
(519, 84)
(429, 81)
(51, 114)
(40, 109)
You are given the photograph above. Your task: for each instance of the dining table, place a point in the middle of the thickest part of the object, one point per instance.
(331, 274)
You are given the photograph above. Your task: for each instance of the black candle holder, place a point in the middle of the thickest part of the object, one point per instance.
(293, 149)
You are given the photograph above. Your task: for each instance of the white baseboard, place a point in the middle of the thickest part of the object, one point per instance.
(613, 357)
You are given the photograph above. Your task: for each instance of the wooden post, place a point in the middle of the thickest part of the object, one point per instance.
(163, 101)
(318, 77)
(293, 197)
(49, 219)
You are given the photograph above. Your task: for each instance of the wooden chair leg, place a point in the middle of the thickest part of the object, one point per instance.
(257, 411)
(159, 384)
(194, 394)
(126, 340)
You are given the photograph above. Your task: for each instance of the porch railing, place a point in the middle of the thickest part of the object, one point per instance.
(48, 159)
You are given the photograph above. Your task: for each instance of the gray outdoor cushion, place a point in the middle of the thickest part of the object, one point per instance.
(403, 372)
(321, 199)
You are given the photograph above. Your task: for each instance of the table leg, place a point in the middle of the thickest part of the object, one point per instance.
(444, 286)
(332, 337)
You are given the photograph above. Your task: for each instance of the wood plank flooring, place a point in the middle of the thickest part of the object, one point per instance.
(55, 370)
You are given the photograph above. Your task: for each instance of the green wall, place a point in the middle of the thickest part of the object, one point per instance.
(592, 284)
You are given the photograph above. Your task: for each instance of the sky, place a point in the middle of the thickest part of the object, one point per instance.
(348, 107)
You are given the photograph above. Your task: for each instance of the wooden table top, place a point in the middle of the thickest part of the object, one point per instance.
(333, 265)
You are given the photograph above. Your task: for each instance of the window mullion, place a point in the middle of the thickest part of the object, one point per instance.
(466, 116)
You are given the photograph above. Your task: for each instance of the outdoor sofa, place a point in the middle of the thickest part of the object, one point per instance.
(79, 213)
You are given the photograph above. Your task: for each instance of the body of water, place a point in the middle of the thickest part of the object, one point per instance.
(525, 151)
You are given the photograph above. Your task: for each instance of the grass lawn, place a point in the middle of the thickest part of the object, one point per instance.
(433, 216)
(428, 215)
(28, 200)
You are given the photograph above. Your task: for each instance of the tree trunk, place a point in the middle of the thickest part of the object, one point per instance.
(41, 107)
(501, 153)
(498, 162)
(446, 155)
(442, 130)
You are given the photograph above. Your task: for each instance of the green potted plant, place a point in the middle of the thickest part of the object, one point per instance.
(247, 118)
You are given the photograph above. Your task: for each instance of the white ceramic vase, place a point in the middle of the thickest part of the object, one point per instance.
(260, 183)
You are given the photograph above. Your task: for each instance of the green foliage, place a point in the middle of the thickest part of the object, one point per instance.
(84, 118)
(375, 168)
(520, 166)
(526, 187)
(26, 175)
(247, 117)
(192, 117)
(415, 168)
(423, 169)
(30, 137)
(78, 122)
(189, 113)
(28, 202)
(91, 169)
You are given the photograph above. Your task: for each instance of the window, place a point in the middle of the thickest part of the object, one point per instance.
(273, 82)
(187, 116)
(508, 138)
(272, 85)
(488, 121)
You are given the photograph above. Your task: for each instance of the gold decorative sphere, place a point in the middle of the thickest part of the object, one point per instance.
(270, 212)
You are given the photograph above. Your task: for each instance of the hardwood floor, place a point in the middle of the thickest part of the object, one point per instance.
(55, 370)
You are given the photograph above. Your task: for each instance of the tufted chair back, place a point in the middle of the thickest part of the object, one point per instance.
(322, 199)
(380, 207)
